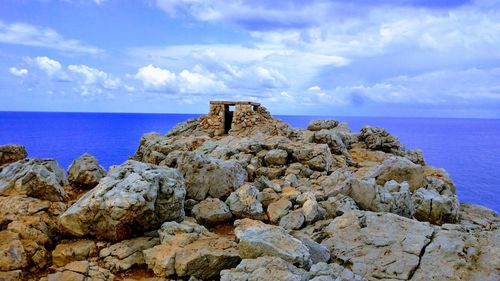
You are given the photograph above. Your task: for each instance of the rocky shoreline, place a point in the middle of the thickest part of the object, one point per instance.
(263, 201)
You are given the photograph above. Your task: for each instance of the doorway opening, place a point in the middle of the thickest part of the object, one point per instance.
(228, 117)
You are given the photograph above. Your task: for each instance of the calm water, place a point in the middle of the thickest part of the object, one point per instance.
(467, 148)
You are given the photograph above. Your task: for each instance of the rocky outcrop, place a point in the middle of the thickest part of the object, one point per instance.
(264, 269)
(133, 197)
(65, 253)
(80, 270)
(38, 178)
(245, 203)
(85, 172)
(126, 254)
(257, 239)
(10, 153)
(435, 208)
(206, 176)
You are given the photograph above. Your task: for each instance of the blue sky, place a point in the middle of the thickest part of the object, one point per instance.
(409, 58)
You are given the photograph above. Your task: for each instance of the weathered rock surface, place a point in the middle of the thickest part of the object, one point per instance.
(332, 272)
(10, 153)
(127, 253)
(378, 245)
(379, 139)
(85, 172)
(399, 169)
(73, 251)
(257, 239)
(81, 270)
(133, 197)
(318, 125)
(264, 269)
(278, 209)
(38, 178)
(211, 211)
(12, 253)
(206, 176)
(245, 203)
(435, 208)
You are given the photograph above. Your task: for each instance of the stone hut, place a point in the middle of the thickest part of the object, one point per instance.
(233, 116)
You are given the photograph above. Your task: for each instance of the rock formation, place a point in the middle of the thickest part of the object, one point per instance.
(243, 196)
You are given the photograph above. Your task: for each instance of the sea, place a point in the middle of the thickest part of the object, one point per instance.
(469, 149)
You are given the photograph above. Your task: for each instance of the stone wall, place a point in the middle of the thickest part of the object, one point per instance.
(214, 121)
(244, 116)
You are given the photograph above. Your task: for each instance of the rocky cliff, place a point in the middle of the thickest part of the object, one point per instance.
(263, 202)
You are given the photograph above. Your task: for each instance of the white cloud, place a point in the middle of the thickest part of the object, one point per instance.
(47, 64)
(18, 71)
(95, 76)
(155, 77)
(35, 36)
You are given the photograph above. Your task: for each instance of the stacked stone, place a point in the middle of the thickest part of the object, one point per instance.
(214, 121)
(244, 117)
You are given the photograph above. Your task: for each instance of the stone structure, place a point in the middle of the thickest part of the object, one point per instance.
(231, 115)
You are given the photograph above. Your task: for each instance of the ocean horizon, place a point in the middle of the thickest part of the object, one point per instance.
(465, 147)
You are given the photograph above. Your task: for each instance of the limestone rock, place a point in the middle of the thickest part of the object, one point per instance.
(332, 272)
(278, 209)
(477, 217)
(399, 169)
(14, 275)
(435, 208)
(293, 220)
(211, 211)
(132, 197)
(319, 253)
(276, 157)
(332, 139)
(73, 251)
(245, 203)
(394, 198)
(38, 178)
(206, 176)
(10, 153)
(81, 270)
(12, 252)
(379, 139)
(264, 269)
(378, 245)
(127, 253)
(315, 156)
(258, 239)
(338, 205)
(317, 125)
(85, 172)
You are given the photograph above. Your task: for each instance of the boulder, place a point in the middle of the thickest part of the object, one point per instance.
(73, 251)
(10, 153)
(85, 172)
(319, 253)
(211, 211)
(435, 208)
(134, 197)
(276, 157)
(315, 156)
(394, 198)
(38, 178)
(264, 269)
(378, 245)
(379, 139)
(338, 205)
(293, 220)
(206, 176)
(278, 209)
(80, 271)
(399, 169)
(332, 272)
(332, 139)
(258, 239)
(245, 203)
(318, 125)
(12, 253)
(127, 253)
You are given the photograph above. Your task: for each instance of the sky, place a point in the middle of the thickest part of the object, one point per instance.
(399, 58)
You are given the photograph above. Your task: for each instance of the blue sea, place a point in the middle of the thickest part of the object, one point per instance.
(469, 149)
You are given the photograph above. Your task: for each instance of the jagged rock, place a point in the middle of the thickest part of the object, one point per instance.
(394, 198)
(127, 253)
(190, 249)
(81, 270)
(276, 157)
(85, 172)
(206, 176)
(293, 220)
(416, 156)
(439, 180)
(311, 209)
(73, 251)
(10, 153)
(315, 156)
(268, 196)
(332, 272)
(332, 139)
(132, 197)
(258, 239)
(12, 252)
(477, 217)
(378, 245)
(319, 253)
(337, 205)
(317, 125)
(38, 178)
(399, 169)
(211, 211)
(245, 203)
(456, 254)
(278, 209)
(435, 208)
(379, 139)
(270, 172)
(264, 269)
